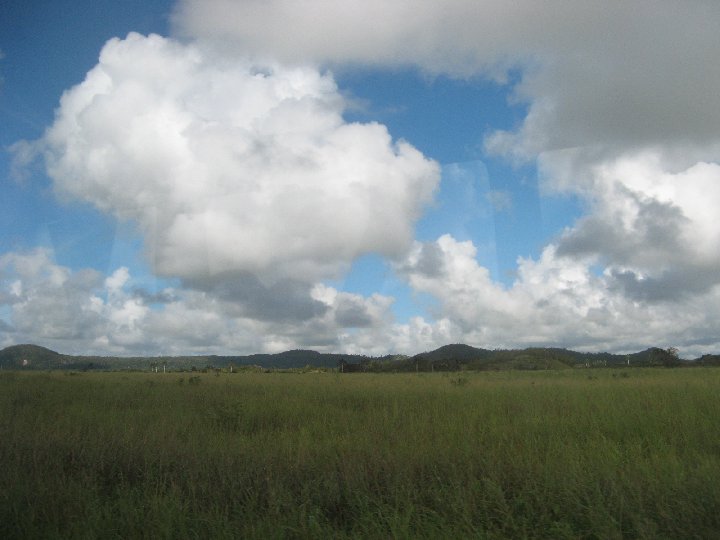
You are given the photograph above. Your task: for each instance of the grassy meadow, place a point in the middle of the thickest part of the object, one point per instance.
(603, 453)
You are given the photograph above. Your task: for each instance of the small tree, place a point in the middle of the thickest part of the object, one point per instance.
(672, 357)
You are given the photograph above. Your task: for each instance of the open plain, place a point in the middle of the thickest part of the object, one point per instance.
(584, 453)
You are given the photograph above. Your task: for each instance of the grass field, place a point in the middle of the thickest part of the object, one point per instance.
(560, 454)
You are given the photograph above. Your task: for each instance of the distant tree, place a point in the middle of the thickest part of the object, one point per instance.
(672, 357)
(664, 357)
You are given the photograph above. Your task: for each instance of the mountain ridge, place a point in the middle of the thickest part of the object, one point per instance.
(450, 357)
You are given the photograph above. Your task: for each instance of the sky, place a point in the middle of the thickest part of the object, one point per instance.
(232, 177)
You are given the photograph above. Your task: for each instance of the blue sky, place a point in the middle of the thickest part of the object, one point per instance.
(231, 179)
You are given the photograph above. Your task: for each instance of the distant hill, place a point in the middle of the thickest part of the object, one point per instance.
(29, 357)
(36, 357)
(297, 359)
(457, 351)
(447, 358)
(453, 357)
(709, 360)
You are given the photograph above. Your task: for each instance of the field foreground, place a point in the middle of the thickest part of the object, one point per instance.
(559, 454)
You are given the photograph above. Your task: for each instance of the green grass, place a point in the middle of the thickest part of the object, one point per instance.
(559, 454)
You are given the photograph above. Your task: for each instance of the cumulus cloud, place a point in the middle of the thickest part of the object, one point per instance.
(247, 183)
(654, 230)
(83, 312)
(620, 76)
(431, 33)
(603, 83)
(553, 300)
(622, 110)
(48, 301)
(230, 167)
(285, 300)
(641, 267)
(590, 72)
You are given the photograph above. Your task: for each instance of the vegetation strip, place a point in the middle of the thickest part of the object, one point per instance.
(446, 358)
(548, 454)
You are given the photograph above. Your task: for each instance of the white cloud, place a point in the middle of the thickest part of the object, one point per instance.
(591, 70)
(622, 110)
(230, 169)
(48, 301)
(609, 79)
(80, 312)
(431, 33)
(653, 228)
(248, 184)
(620, 75)
(245, 182)
(554, 301)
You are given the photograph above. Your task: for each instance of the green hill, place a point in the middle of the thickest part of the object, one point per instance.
(456, 357)
(450, 358)
(447, 358)
(30, 357)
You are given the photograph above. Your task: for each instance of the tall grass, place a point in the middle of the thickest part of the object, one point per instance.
(319, 455)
